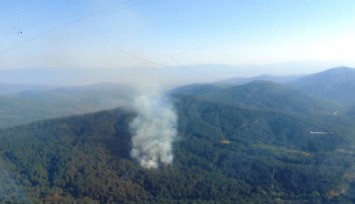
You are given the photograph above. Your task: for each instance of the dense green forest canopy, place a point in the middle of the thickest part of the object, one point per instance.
(261, 142)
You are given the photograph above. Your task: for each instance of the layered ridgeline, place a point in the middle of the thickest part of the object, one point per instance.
(6, 88)
(336, 84)
(21, 104)
(24, 104)
(260, 142)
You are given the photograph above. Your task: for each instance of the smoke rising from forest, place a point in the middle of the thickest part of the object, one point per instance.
(153, 130)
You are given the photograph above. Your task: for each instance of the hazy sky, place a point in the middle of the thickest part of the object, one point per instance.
(131, 33)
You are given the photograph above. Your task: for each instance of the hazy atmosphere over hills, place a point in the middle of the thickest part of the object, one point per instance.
(86, 42)
(261, 140)
(177, 101)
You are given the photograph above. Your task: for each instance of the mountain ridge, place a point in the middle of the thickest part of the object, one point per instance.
(259, 154)
(336, 84)
(28, 106)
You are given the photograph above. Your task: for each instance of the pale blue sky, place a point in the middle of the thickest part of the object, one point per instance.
(131, 33)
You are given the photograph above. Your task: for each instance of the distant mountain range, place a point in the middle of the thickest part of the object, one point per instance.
(16, 88)
(260, 142)
(277, 79)
(337, 84)
(22, 104)
(32, 103)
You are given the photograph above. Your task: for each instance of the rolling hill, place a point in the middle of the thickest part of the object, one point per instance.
(16, 88)
(241, 80)
(28, 106)
(21, 104)
(233, 146)
(337, 84)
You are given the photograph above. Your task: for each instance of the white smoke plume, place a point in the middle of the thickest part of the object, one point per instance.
(153, 130)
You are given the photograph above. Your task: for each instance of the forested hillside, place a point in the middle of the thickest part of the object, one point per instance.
(234, 148)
